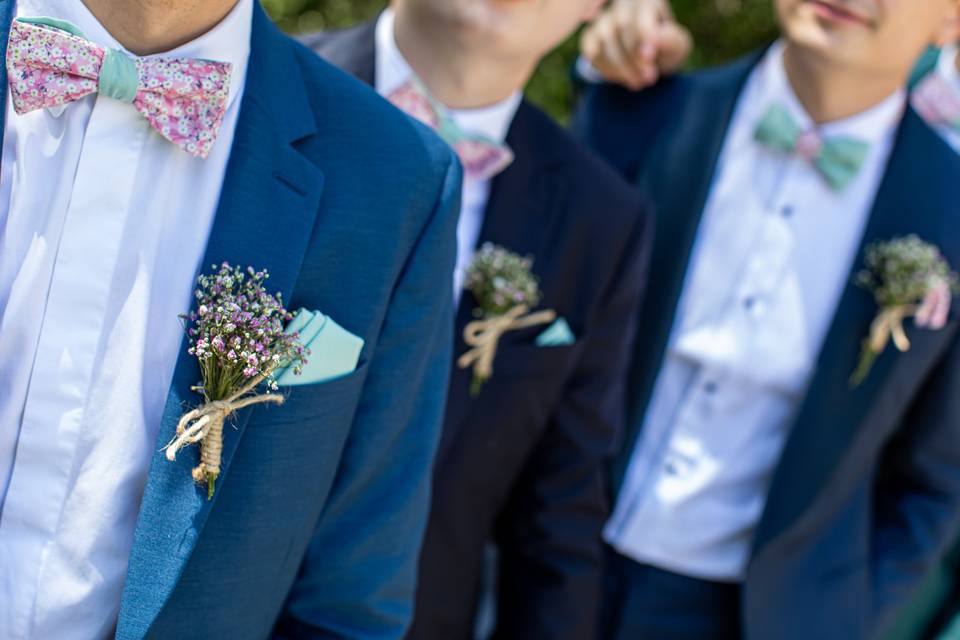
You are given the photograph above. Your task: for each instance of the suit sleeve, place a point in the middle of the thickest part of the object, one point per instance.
(358, 578)
(549, 536)
(917, 503)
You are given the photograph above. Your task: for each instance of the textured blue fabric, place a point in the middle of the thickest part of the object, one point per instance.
(321, 505)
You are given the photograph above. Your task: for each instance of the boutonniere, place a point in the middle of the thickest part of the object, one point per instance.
(506, 290)
(237, 335)
(908, 278)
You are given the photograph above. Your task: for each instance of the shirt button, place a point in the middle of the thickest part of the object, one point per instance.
(748, 302)
(710, 387)
(786, 211)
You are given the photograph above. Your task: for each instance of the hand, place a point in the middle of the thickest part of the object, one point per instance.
(634, 42)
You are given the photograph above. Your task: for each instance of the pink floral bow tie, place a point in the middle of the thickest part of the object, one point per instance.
(482, 158)
(50, 64)
(936, 101)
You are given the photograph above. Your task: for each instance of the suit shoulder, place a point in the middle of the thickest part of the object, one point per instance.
(621, 125)
(332, 44)
(609, 100)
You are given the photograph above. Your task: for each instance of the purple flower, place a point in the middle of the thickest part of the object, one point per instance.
(238, 329)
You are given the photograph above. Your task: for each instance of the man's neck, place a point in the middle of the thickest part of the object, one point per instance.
(460, 74)
(829, 92)
(145, 27)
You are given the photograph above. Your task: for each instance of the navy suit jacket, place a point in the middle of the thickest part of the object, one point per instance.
(321, 505)
(524, 462)
(867, 493)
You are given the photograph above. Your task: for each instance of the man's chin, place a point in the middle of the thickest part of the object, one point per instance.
(825, 44)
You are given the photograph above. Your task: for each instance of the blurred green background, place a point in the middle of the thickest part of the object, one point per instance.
(723, 29)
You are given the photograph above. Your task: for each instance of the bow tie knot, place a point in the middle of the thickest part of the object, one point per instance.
(837, 158)
(481, 157)
(50, 64)
(119, 77)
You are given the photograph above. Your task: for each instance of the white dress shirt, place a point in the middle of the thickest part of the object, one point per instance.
(103, 225)
(773, 253)
(947, 70)
(392, 70)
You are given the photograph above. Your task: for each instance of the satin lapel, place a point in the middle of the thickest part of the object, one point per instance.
(912, 199)
(521, 215)
(267, 211)
(678, 174)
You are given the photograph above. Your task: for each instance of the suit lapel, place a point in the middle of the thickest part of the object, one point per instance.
(689, 149)
(266, 213)
(521, 215)
(911, 199)
(6, 17)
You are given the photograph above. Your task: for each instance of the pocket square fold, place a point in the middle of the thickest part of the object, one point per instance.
(557, 334)
(334, 351)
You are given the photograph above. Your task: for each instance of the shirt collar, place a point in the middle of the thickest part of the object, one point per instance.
(229, 41)
(872, 125)
(947, 66)
(392, 70)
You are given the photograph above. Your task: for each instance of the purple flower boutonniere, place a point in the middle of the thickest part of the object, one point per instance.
(237, 335)
(506, 290)
(908, 278)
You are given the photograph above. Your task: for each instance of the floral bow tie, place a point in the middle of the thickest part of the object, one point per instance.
(837, 158)
(482, 158)
(937, 102)
(50, 63)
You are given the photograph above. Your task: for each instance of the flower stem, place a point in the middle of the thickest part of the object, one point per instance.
(867, 358)
(211, 481)
(476, 384)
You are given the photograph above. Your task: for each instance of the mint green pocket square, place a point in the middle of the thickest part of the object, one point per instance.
(334, 351)
(556, 335)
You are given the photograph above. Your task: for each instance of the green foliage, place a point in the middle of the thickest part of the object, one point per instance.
(723, 29)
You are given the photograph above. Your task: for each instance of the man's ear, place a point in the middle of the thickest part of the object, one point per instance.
(950, 30)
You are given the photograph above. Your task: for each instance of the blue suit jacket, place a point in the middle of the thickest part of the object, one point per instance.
(322, 503)
(867, 493)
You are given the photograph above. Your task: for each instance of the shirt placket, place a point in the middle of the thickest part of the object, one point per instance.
(711, 388)
(67, 352)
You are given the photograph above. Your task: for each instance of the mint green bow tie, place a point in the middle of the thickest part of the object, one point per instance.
(837, 158)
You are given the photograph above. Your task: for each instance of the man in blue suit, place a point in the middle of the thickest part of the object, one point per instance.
(321, 504)
(762, 494)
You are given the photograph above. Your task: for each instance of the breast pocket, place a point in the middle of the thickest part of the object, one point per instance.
(323, 401)
(522, 360)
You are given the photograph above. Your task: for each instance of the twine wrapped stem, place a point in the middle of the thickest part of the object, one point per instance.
(204, 425)
(484, 336)
(886, 327)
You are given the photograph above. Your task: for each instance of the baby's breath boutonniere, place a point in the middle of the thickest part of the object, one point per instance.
(506, 290)
(237, 334)
(908, 278)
